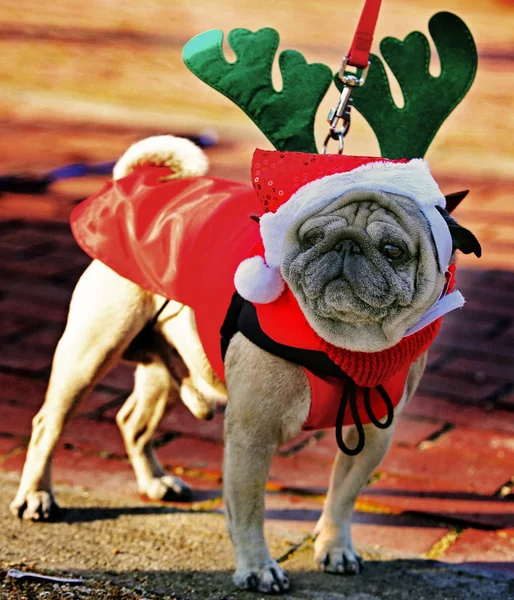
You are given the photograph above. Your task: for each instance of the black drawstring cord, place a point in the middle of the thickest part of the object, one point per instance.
(387, 401)
(350, 396)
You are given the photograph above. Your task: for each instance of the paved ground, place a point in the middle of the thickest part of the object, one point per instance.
(446, 489)
(129, 551)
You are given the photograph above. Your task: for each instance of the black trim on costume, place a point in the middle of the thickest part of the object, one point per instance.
(242, 317)
(158, 313)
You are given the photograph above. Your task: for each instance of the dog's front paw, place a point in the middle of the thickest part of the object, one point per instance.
(35, 506)
(168, 489)
(269, 579)
(338, 560)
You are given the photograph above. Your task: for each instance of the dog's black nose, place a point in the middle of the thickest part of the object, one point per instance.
(348, 247)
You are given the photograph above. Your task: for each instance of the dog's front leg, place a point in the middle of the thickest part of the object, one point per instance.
(334, 551)
(268, 402)
(246, 468)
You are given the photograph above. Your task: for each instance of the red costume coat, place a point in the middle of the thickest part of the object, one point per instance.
(184, 239)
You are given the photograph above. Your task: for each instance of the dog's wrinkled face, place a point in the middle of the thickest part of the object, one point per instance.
(363, 269)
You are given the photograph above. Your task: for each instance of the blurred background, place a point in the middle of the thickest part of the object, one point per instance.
(80, 81)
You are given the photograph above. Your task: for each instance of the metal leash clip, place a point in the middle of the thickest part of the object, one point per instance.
(342, 111)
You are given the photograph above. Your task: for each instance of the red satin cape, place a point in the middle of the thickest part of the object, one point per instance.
(183, 239)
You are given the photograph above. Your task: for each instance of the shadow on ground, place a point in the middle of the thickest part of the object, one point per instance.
(90, 514)
(400, 579)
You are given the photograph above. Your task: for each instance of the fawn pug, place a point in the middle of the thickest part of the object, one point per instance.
(365, 262)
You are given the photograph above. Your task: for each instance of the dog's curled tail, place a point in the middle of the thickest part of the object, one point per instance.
(183, 158)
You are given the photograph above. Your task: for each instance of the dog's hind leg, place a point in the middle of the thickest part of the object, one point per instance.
(138, 418)
(106, 313)
(334, 551)
(200, 388)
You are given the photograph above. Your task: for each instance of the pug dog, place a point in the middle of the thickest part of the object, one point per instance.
(361, 257)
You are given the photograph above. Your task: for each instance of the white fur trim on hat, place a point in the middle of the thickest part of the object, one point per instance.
(273, 232)
(183, 157)
(257, 282)
(412, 179)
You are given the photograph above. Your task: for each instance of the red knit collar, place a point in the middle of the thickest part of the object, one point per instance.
(284, 321)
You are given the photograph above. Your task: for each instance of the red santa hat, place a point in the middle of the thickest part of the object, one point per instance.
(292, 184)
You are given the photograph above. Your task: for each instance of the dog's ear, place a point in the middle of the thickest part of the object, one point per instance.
(462, 238)
(453, 200)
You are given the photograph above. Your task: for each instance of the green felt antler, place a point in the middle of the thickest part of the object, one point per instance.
(407, 132)
(285, 117)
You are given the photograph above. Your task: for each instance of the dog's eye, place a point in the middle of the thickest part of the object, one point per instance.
(392, 252)
(313, 237)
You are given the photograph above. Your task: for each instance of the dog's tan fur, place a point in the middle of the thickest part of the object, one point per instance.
(269, 401)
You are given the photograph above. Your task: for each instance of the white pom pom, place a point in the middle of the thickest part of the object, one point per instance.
(258, 283)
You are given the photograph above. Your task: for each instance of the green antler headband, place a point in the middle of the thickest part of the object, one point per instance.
(287, 117)
(407, 132)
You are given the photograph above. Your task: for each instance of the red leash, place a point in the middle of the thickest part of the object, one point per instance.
(363, 38)
(358, 57)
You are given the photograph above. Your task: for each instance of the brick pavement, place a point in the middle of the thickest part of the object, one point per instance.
(445, 490)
